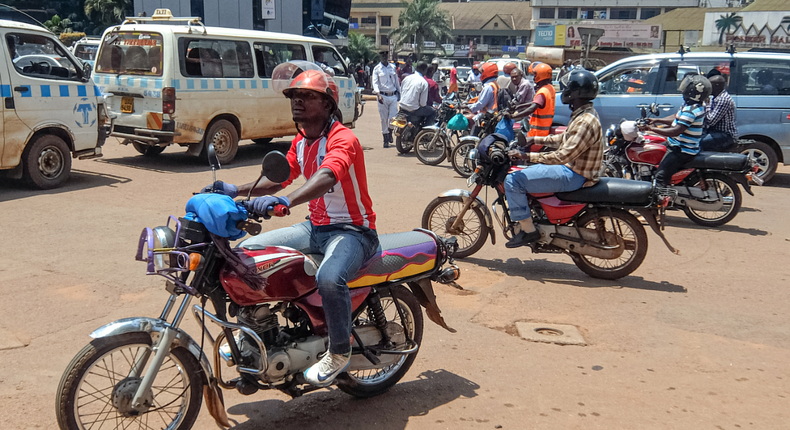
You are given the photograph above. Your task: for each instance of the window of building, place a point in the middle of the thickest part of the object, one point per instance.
(385, 40)
(547, 13)
(213, 58)
(269, 55)
(593, 13)
(649, 12)
(386, 21)
(368, 20)
(567, 13)
(622, 13)
(353, 20)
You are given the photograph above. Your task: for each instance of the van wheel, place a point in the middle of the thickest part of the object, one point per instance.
(225, 139)
(46, 162)
(764, 155)
(148, 150)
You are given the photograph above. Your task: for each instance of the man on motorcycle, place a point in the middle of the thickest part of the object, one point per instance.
(487, 100)
(414, 97)
(575, 164)
(685, 128)
(541, 107)
(719, 129)
(342, 222)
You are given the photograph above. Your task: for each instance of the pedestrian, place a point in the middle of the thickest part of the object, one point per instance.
(453, 79)
(386, 87)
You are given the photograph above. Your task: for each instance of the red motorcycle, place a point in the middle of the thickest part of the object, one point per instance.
(593, 225)
(706, 188)
(149, 373)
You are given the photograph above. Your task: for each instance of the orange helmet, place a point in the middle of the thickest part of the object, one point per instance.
(542, 72)
(293, 75)
(508, 68)
(490, 70)
(531, 69)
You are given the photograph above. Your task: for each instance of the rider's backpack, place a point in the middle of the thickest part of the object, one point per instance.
(503, 98)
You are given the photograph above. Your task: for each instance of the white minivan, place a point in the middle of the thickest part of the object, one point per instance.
(51, 111)
(174, 81)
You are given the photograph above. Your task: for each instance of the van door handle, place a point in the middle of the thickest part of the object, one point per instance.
(666, 106)
(22, 89)
(643, 105)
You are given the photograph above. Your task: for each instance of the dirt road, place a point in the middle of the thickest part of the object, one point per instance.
(695, 341)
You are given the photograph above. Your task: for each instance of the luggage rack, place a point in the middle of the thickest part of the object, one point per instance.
(165, 15)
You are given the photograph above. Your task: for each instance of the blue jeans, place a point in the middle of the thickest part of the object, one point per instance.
(538, 178)
(715, 141)
(345, 248)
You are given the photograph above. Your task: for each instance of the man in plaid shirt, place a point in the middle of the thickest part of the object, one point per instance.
(719, 131)
(576, 162)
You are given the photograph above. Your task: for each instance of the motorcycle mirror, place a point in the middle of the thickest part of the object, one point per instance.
(275, 167)
(644, 113)
(654, 108)
(213, 161)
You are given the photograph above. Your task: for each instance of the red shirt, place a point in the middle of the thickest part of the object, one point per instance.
(453, 76)
(433, 92)
(348, 201)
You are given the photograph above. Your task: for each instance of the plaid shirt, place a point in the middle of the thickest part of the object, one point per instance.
(721, 115)
(580, 147)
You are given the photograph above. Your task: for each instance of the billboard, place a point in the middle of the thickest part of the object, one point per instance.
(550, 35)
(618, 35)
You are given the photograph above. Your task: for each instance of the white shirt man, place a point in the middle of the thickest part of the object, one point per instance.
(386, 87)
(414, 97)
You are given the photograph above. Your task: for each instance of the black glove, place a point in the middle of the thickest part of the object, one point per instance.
(262, 205)
(220, 187)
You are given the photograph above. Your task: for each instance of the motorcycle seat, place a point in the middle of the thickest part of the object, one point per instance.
(399, 255)
(611, 190)
(718, 161)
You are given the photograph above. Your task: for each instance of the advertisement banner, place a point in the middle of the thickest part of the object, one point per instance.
(619, 35)
(559, 35)
(267, 9)
(544, 36)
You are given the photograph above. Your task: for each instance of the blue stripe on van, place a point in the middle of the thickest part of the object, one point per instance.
(254, 84)
(158, 84)
(129, 82)
(96, 79)
(342, 83)
(217, 84)
(28, 93)
(106, 80)
(264, 84)
(204, 84)
(242, 84)
(45, 91)
(5, 90)
(230, 84)
(144, 82)
(118, 81)
(190, 84)
(64, 90)
(96, 91)
(81, 91)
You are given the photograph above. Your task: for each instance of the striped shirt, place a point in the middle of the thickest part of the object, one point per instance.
(720, 115)
(348, 202)
(692, 116)
(580, 147)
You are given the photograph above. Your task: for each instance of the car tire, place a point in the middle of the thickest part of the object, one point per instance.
(46, 162)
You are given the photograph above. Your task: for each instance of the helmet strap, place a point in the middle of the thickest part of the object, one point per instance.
(324, 131)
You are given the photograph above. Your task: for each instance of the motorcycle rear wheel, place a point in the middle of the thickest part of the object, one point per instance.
(441, 213)
(627, 227)
(427, 154)
(96, 384)
(402, 145)
(372, 382)
(728, 189)
(461, 164)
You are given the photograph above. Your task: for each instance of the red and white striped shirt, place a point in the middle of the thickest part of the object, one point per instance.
(348, 201)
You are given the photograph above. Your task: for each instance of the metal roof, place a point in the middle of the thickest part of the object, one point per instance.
(687, 18)
(767, 5)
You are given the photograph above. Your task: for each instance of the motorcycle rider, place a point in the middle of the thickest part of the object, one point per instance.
(486, 101)
(342, 222)
(541, 107)
(576, 162)
(414, 97)
(719, 129)
(685, 128)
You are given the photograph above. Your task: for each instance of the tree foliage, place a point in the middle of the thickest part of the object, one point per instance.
(108, 12)
(361, 48)
(419, 21)
(57, 25)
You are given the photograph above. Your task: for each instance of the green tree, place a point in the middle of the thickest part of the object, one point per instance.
(57, 25)
(726, 22)
(361, 48)
(421, 20)
(108, 12)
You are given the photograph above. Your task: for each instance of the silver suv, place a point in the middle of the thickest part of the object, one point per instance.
(759, 83)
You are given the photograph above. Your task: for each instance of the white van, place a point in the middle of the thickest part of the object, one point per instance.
(173, 80)
(51, 109)
(86, 49)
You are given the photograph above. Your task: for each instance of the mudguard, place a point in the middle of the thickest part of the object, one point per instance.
(479, 203)
(741, 179)
(431, 127)
(423, 290)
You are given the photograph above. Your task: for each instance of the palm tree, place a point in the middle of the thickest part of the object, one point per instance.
(421, 19)
(109, 11)
(726, 22)
(361, 48)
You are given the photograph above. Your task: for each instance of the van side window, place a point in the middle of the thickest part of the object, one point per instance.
(131, 53)
(39, 56)
(677, 70)
(635, 79)
(269, 55)
(210, 58)
(328, 58)
(763, 77)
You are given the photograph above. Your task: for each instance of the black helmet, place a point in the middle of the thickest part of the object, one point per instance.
(579, 84)
(696, 89)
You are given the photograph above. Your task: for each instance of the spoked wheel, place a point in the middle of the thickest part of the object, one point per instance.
(430, 148)
(461, 163)
(402, 145)
(98, 386)
(471, 233)
(728, 190)
(626, 227)
(372, 382)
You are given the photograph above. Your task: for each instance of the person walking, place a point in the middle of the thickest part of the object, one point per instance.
(453, 79)
(386, 87)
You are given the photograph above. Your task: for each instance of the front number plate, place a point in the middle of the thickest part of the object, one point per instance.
(127, 104)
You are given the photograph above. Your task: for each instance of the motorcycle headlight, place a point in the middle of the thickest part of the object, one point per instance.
(164, 238)
(472, 155)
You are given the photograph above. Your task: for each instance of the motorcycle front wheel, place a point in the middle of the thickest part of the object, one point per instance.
(461, 164)
(97, 388)
(730, 194)
(471, 234)
(372, 382)
(625, 226)
(428, 151)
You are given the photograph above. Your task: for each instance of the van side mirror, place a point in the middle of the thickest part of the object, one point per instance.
(86, 72)
(275, 167)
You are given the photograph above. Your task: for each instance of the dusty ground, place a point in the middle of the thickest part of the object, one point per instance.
(696, 341)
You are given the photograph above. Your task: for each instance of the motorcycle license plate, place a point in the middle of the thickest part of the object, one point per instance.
(472, 179)
(127, 104)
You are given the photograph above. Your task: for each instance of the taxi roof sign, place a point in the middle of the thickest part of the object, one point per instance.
(163, 13)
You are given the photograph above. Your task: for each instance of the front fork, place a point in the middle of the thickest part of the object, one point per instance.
(472, 198)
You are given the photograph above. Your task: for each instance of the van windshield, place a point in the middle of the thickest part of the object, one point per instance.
(131, 53)
(84, 51)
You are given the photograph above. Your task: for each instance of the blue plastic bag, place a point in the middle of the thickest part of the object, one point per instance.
(218, 212)
(458, 122)
(505, 128)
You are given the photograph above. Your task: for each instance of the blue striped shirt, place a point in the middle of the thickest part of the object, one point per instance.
(692, 116)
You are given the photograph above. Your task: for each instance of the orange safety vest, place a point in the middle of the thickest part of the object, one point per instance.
(540, 121)
(496, 91)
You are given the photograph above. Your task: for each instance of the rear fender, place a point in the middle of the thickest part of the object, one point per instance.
(478, 203)
(423, 290)
(154, 328)
(741, 179)
(473, 139)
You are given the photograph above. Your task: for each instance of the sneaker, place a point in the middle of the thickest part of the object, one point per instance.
(326, 370)
(522, 239)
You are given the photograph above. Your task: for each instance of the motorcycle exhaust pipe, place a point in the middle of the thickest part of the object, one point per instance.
(449, 275)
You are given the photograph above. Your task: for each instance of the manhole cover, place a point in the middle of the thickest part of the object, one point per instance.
(560, 334)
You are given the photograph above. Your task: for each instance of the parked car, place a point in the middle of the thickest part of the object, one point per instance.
(759, 83)
(463, 74)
